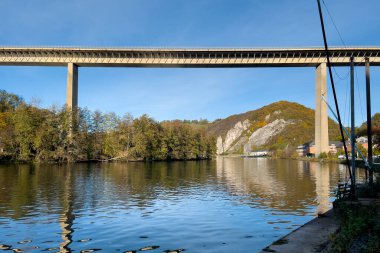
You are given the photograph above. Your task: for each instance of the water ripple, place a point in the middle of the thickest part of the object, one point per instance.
(226, 205)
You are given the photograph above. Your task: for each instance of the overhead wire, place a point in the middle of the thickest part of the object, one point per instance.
(348, 72)
(332, 20)
(345, 77)
(335, 97)
(346, 113)
(341, 39)
(349, 109)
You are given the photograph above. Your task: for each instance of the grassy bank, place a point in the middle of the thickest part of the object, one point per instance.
(360, 221)
(360, 228)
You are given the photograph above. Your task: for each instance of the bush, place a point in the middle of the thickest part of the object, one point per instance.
(356, 220)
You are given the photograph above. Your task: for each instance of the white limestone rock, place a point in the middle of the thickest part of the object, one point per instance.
(262, 135)
(232, 136)
(238, 144)
(219, 145)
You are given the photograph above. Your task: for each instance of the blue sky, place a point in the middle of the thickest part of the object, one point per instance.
(184, 93)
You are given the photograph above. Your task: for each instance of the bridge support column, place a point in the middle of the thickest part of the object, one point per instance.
(72, 86)
(321, 116)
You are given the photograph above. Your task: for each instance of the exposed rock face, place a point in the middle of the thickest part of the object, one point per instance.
(262, 135)
(219, 145)
(236, 139)
(267, 118)
(239, 145)
(285, 125)
(232, 136)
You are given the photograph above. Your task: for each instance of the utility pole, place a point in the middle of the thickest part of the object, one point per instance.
(353, 139)
(369, 120)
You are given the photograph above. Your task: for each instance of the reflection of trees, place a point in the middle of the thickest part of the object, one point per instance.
(141, 184)
(34, 188)
(18, 185)
(279, 184)
(31, 188)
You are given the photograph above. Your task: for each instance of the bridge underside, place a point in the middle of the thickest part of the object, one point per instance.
(196, 58)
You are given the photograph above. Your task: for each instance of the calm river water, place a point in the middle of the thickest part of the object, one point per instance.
(224, 205)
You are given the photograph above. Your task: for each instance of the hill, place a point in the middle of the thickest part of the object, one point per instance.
(276, 126)
(362, 130)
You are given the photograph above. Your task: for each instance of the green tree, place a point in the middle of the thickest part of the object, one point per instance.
(111, 145)
(27, 120)
(147, 139)
(125, 134)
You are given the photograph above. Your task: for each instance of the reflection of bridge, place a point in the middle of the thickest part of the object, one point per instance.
(201, 58)
(67, 218)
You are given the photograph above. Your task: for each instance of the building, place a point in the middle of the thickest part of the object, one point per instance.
(362, 139)
(308, 149)
(261, 153)
(335, 147)
(301, 150)
(305, 149)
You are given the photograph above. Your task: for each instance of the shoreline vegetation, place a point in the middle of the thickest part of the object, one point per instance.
(29, 133)
(57, 135)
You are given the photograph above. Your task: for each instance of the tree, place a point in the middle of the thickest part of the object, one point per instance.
(27, 120)
(111, 145)
(125, 134)
(9, 101)
(147, 139)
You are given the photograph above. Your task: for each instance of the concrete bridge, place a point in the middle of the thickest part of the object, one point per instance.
(195, 58)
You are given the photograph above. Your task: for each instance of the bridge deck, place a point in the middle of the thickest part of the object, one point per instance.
(203, 58)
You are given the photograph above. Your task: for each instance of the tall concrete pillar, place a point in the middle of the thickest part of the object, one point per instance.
(72, 86)
(321, 116)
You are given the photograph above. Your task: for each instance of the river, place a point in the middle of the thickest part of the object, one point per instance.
(223, 205)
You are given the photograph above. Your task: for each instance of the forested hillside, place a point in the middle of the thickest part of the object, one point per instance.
(362, 131)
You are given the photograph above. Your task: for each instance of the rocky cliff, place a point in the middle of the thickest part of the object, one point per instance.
(276, 126)
(231, 137)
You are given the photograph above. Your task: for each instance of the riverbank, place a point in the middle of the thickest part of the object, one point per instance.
(352, 226)
(312, 237)
(9, 160)
(359, 226)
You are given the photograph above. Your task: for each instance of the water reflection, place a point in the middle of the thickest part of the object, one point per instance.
(280, 184)
(229, 204)
(321, 173)
(66, 219)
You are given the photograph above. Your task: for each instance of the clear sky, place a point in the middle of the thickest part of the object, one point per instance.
(184, 93)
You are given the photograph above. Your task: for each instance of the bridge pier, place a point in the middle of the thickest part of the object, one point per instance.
(321, 116)
(72, 86)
